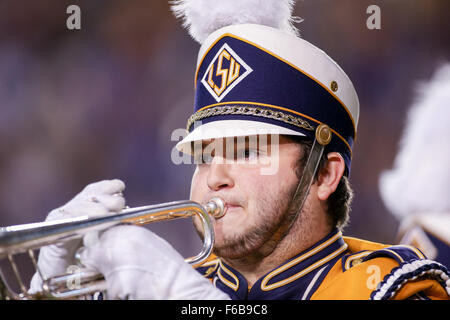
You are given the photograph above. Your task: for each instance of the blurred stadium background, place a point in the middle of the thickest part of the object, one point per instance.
(101, 102)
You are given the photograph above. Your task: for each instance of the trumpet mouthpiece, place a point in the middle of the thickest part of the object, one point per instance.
(216, 207)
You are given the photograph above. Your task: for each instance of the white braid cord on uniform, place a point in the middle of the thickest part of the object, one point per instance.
(408, 268)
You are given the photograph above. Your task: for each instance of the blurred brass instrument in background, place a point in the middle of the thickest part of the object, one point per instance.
(28, 237)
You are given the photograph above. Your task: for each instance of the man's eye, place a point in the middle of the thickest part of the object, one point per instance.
(248, 154)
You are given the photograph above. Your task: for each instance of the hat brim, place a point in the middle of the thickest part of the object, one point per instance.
(231, 128)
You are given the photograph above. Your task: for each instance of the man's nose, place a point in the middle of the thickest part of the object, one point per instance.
(219, 175)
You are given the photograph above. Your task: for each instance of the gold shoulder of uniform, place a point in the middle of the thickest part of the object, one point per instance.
(376, 271)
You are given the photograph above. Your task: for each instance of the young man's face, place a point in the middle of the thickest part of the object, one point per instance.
(256, 202)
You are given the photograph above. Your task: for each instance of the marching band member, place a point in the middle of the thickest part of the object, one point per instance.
(272, 132)
(417, 192)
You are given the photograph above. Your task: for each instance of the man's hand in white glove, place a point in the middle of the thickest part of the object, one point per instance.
(96, 199)
(137, 264)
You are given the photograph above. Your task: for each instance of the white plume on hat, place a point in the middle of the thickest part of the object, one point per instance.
(420, 179)
(202, 17)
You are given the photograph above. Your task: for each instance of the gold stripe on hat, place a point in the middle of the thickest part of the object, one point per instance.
(250, 111)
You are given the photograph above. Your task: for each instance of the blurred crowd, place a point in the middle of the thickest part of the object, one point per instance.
(78, 106)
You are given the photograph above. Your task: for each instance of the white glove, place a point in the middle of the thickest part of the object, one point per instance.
(137, 264)
(96, 199)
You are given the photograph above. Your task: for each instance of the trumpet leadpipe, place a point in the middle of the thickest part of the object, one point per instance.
(20, 238)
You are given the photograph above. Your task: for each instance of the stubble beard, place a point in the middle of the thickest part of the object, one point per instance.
(274, 213)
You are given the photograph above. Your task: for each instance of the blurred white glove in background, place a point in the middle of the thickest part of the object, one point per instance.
(97, 199)
(137, 264)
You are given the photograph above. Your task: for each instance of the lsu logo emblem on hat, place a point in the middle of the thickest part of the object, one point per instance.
(224, 72)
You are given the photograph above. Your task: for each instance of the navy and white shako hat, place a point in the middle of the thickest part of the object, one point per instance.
(257, 78)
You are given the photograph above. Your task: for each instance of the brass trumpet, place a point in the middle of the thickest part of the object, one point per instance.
(27, 237)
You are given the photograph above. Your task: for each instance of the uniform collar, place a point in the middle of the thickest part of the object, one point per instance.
(296, 278)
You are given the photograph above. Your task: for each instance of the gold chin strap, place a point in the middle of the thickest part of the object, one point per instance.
(322, 138)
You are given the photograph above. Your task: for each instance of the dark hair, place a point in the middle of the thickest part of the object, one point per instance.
(339, 202)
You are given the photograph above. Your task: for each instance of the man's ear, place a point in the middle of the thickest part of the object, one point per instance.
(330, 175)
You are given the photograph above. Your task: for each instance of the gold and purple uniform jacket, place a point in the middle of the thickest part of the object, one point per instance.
(340, 268)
